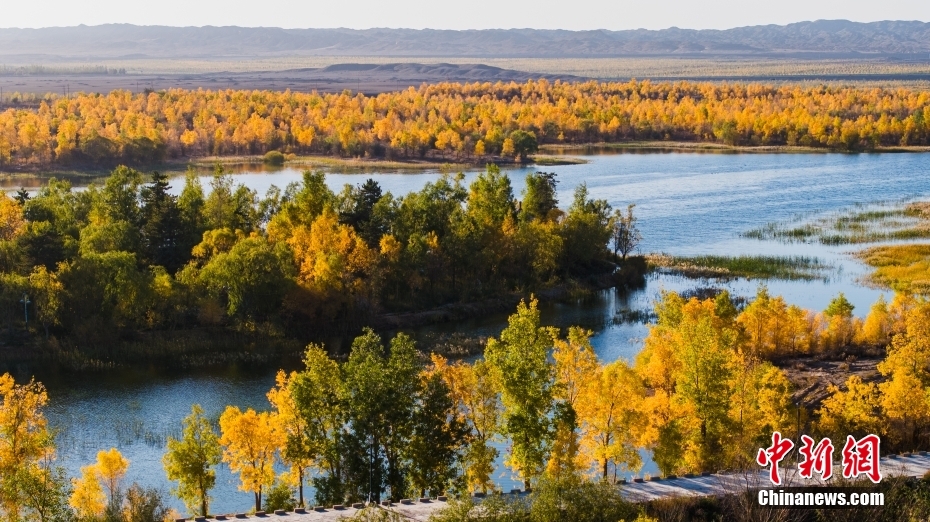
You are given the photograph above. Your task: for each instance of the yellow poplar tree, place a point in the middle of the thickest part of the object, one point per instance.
(478, 407)
(575, 365)
(25, 441)
(87, 498)
(904, 394)
(611, 418)
(853, 411)
(876, 329)
(100, 483)
(12, 223)
(298, 450)
(250, 443)
(111, 468)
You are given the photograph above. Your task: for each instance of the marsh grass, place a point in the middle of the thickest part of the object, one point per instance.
(903, 268)
(793, 268)
(857, 225)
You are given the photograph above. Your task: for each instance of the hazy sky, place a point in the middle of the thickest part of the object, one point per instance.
(451, 14)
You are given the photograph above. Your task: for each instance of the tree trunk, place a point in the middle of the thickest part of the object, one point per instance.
(203, 498)
(300, 488)
(258, 499)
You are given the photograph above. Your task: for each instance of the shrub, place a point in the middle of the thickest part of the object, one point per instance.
(274, 158)
(280, 497)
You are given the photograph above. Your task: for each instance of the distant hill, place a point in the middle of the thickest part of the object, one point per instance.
(822, 37)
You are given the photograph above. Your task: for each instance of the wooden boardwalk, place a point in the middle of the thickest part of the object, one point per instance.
(908, 465)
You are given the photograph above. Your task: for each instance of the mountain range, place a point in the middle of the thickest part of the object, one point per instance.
(123, 41)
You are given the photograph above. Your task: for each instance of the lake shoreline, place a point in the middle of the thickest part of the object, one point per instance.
(311, 162)
(709, 146)
(551, 154)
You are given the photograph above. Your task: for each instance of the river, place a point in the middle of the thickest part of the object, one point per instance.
(687, 204)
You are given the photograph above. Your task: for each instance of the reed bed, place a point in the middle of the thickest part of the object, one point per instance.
(858, 225)
(804, 268)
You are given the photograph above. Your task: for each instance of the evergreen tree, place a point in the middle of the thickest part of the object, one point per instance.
(162, 228)
(360, 212)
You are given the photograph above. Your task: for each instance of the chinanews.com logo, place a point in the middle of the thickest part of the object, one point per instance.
(860, 458)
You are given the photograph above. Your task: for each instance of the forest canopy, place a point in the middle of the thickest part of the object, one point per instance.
(128, 255)
(454, 120)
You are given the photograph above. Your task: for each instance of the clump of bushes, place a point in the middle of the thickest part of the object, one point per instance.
(274, 158)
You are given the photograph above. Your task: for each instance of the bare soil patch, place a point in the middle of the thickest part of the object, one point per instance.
(811, 376)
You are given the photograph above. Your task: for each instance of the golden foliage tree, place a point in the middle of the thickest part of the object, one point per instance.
(447, 118)
(478, 407)
(250, 443)
(88, 500)
(611, 419)
(26, 446)
(12, 223)
(575, 366)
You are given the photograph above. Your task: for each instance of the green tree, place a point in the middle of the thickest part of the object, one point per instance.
(119, 196)
(12, 288)
(190, 205)
(361, 213)
(316, 393)
(405, 389)
(365, 397)
(107, 286)
(524, 143)
(253, 277)
(437, 441)
(109, 236)
(228, 206)
(163, 233)
(704, 349)
(45, 490)
(519, 362)
(490, 197)
(189, 461)
(46, 296)
(539, 197)
(839, 307)
(585, 232)
(379, 394)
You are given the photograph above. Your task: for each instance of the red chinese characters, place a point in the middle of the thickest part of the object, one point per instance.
(774, 454)
(816, 458)
(860, 457)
